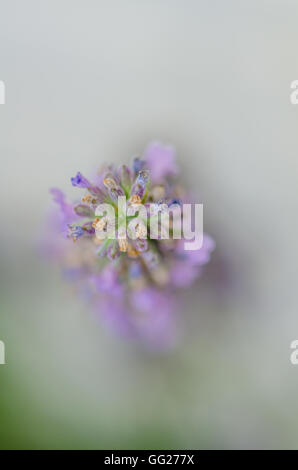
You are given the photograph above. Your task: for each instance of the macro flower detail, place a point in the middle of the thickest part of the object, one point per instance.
(80, 181)
(125, 253)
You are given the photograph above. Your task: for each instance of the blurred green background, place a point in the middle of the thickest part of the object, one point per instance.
(94, 81)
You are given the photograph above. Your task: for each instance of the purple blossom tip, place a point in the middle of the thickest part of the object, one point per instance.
(80, 181)
(138, 164)
(75, 232)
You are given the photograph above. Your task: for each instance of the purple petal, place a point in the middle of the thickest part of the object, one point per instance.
(59, 198)
(80, 181)
(183, 274)
(155, 320)
(160, 160)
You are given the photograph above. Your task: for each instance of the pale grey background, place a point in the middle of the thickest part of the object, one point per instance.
(93, 81)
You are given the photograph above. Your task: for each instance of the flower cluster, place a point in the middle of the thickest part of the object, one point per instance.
(132, 282)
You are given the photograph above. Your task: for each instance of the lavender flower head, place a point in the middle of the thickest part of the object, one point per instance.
(132, 282)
